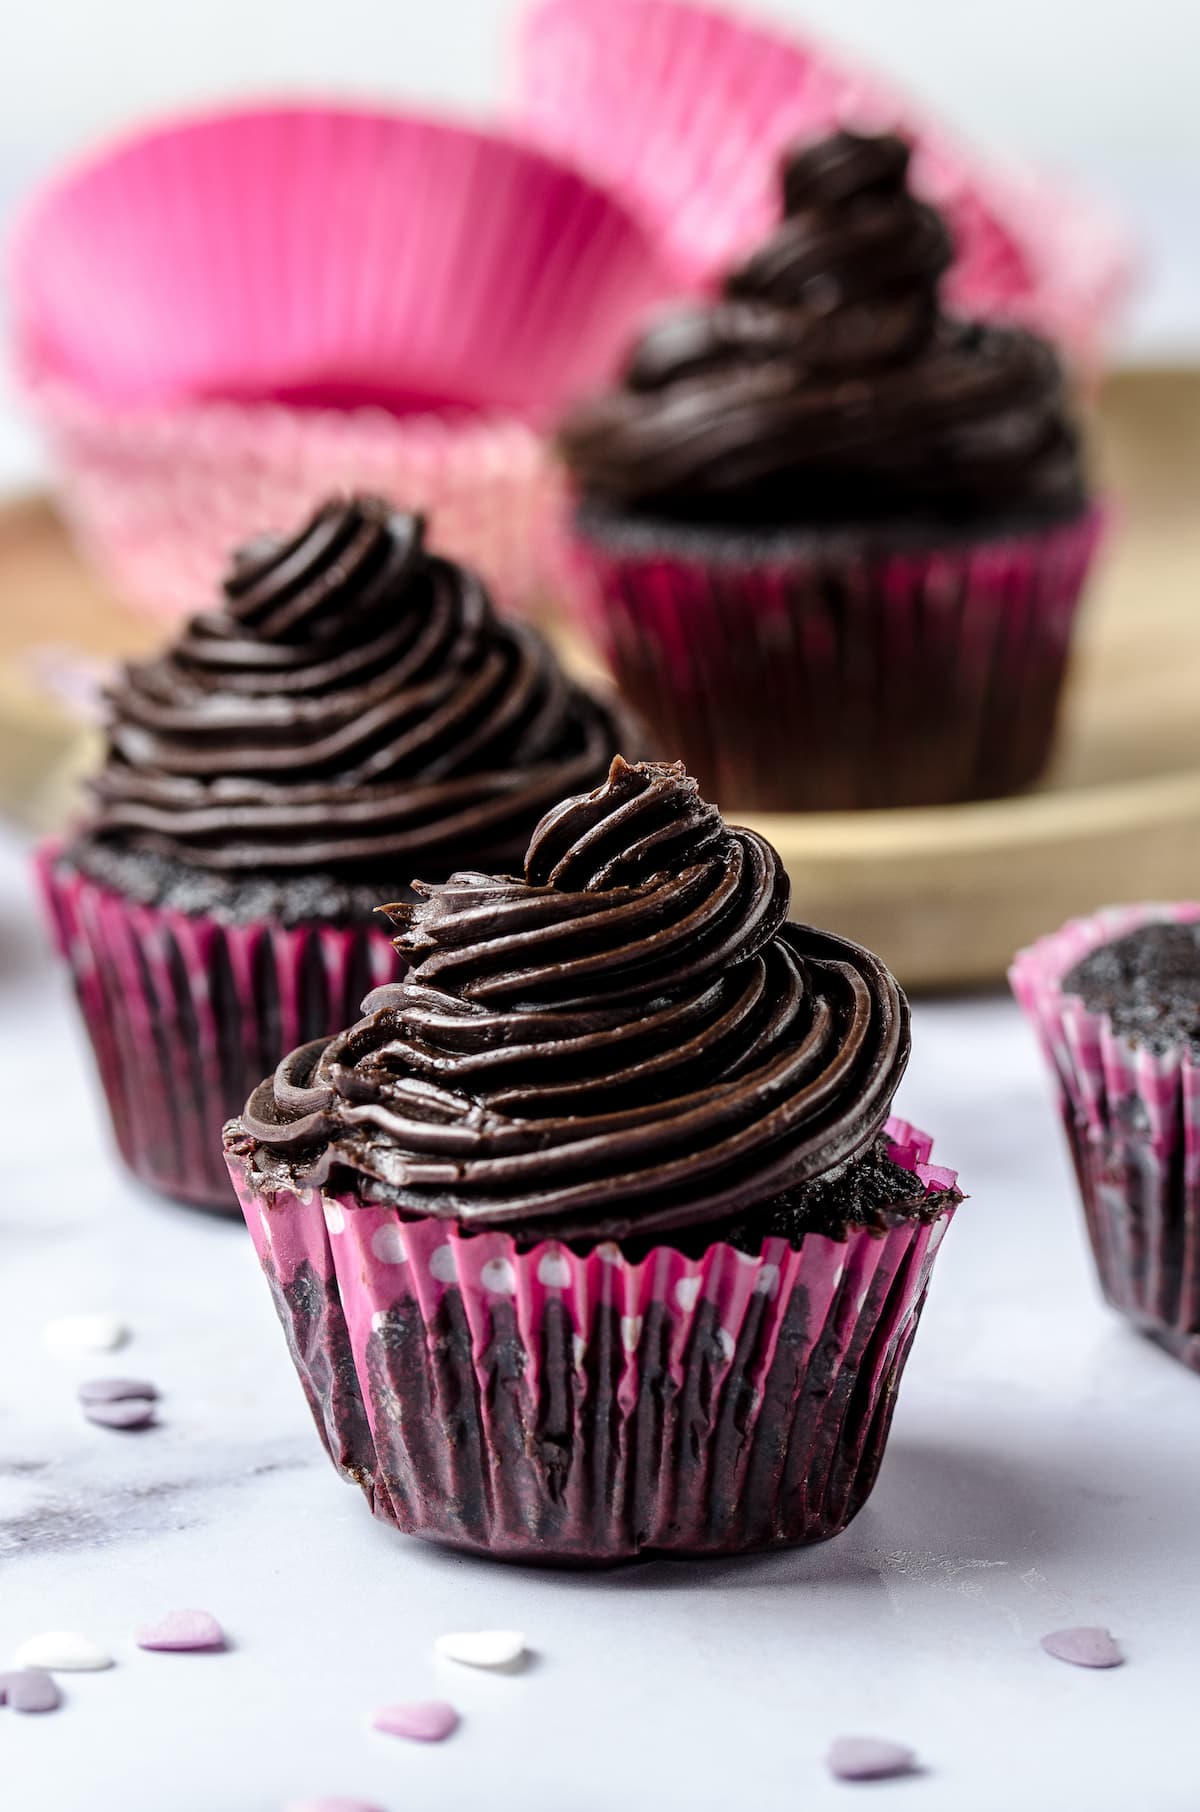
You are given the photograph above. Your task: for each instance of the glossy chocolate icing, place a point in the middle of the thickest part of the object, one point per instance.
(632, 1038)
(826, 384)
(354, 706)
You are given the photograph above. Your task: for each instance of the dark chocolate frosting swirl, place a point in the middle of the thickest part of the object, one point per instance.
(355, 703)
(631, 1038)
(826, 383)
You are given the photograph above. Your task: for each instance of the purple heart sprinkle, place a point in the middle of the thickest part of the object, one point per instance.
(127, 1413)
(1087, 1646)
(116, 1390)
(181, 1632)
(429, 1721)
(336, 1804)
(868, 1759)
(29, 1689)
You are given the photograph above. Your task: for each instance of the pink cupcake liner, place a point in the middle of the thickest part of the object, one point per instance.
(186, 1015)
(1132, 1119)
(543, 1405)
(223, 319)
(157, 497)
(827, 679)
(684, 109)
(292, 250)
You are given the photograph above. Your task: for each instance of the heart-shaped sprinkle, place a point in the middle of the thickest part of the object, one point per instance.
(127, 1413)
(61, 1652)
(336, 1804)
(84, 1334)
(181, 1632)
(868, 1759)
(116, 1390)
(1083, 1647)
(482, 1648)
(29, 1689)
(427, 1721)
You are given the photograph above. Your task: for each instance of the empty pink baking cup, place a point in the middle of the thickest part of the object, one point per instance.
(185, 1014)
(683, 109)
(1132, 1119)
(302, 296)
(542, 1404)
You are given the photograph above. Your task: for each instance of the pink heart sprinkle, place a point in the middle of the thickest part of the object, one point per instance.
(1087, 1646)
(181, 1631)
(429, 1721)
(868, 1759)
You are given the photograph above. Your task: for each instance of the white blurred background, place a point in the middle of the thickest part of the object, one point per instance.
(1103, 91)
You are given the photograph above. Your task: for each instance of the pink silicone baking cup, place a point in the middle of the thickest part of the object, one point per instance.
(542, 1405)
(684, 109)
(158, 496)
(186, 1015)
(828, 679)
(250, 308)
(1132, 1118)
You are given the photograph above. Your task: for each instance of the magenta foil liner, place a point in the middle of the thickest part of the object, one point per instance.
(186, 1015)
(1133, 1123)
(540, 1405)
(835, 679)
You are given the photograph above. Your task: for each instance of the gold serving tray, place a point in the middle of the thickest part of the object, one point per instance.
(944, 894)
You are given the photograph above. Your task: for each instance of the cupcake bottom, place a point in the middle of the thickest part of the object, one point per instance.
(186, 1013)
(1132, 1118)
(837, 672)
(542, 1405)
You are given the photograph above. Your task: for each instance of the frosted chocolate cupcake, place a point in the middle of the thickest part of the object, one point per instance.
(594, 1234)
(835, 536)
(352, 707)
(1115, 999)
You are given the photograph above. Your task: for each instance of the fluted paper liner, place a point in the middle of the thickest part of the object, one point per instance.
(543, 1405)
(683, 110)
(801, 681)
(186, 1014)
(1132, 1118)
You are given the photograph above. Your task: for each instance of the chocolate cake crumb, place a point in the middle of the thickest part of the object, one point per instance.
(1147, 983)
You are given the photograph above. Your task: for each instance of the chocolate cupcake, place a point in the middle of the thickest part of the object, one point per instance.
(1115, 999)
(352, 707)
(594, 1235)
(832, 535)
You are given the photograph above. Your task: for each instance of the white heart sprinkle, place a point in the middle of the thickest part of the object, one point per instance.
(868, 1759)
(335, 1218)
(687, 1292)
(631, 1331)
(498, 1275)
(1087, 1646)
(442, 1266)
(482, 1648)
(554, 1270)
(84, 1334)
(387, 1243)
(767, 1281)
(62, 1652)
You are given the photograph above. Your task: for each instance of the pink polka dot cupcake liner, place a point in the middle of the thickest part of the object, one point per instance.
(221, 318)
(683, 110)
(1132, 1119)
(836, 677)
(185, 1015)
(546, 1405)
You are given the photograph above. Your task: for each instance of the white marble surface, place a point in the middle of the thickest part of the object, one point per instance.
(1044, 1470)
